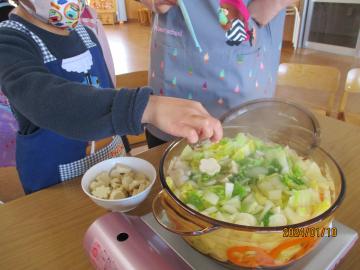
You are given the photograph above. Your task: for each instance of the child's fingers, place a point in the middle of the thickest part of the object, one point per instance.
(218, 131)
(189, 133)
(182, 118)
(202, 124)
(210, 128)
(167, 2)
(207, 131)
(171, 2)
(206, 126)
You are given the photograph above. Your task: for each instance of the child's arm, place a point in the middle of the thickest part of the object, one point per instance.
(161, 6)
(84, 112)
(263, 11)
(71, 109)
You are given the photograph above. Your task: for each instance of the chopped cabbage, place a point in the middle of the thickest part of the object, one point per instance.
(251, 182)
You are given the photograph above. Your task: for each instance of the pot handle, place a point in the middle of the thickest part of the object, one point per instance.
(161, 209)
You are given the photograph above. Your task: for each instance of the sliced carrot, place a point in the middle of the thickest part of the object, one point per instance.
(237, 255)
(304, 249)
(304, 242)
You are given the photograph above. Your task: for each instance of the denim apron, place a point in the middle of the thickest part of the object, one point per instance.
(223, 75)
(45, 158)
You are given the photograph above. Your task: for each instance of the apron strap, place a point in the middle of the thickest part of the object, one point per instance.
(85, 37)
(79, 167)
(46, 54)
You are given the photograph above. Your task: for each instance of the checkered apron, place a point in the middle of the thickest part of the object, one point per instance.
(77, 167)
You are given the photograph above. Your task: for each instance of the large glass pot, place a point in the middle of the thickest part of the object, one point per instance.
(238, 246)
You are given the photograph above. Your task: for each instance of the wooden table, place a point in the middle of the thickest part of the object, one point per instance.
(45, 230)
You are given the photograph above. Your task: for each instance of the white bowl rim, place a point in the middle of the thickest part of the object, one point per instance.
(152, 182)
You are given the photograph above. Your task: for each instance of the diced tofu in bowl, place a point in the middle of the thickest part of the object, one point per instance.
(119, 184)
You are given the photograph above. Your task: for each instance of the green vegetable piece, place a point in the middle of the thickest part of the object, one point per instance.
(274, 167)
(239, 190)
(297, 174)
(240, 139)
(170, 183)
(286, 180)
(266, 218)
(297, 180)
(219, 190)
(185, 189)
(292, 182)
(224, 141)
(238, 155)
(187, 153)
(193, 198)
(200, 178)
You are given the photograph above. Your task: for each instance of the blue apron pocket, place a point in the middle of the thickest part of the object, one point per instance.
(39, 154)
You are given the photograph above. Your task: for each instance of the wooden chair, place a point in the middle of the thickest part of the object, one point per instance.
(352, 89)
(133, 80)
(313, 86)
(145, 16)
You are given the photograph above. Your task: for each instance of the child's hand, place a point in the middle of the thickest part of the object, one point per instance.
(263, 11)
(182, 118)
(162, 6)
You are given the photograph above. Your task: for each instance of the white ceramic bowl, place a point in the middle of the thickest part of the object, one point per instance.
(120, 205)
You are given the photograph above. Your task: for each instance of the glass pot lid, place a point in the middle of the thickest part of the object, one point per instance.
(278, 121)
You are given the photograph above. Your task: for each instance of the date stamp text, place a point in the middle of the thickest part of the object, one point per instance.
(310, 232)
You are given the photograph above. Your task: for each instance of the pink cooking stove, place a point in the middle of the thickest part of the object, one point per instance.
(117, 241)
